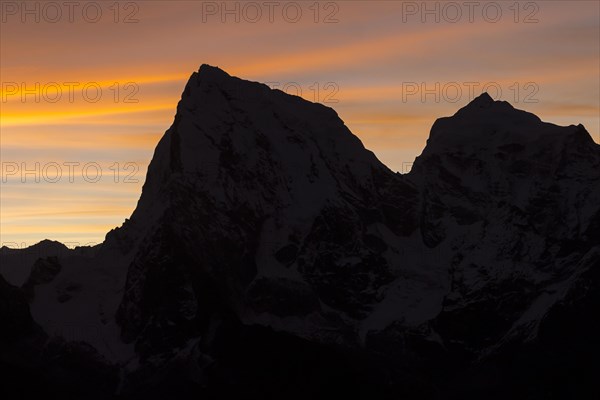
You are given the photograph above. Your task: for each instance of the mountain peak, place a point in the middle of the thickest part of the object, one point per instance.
(48, 244)
(227, 128)
(208, 71)
(484, 125)
(484, 104)
(484, 99)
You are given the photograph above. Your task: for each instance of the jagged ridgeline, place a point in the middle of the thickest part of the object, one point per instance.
(271, 254)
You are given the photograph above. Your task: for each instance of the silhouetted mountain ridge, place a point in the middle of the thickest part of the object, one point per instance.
(268, 241)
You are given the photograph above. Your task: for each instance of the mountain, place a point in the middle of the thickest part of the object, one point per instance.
(270, 253)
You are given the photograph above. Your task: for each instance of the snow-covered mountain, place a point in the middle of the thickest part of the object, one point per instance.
(271, 253)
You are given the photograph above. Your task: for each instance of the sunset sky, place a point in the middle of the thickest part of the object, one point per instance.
(369, 60)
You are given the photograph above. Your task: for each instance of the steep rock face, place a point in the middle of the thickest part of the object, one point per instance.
(517, 200)
(266, 205)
